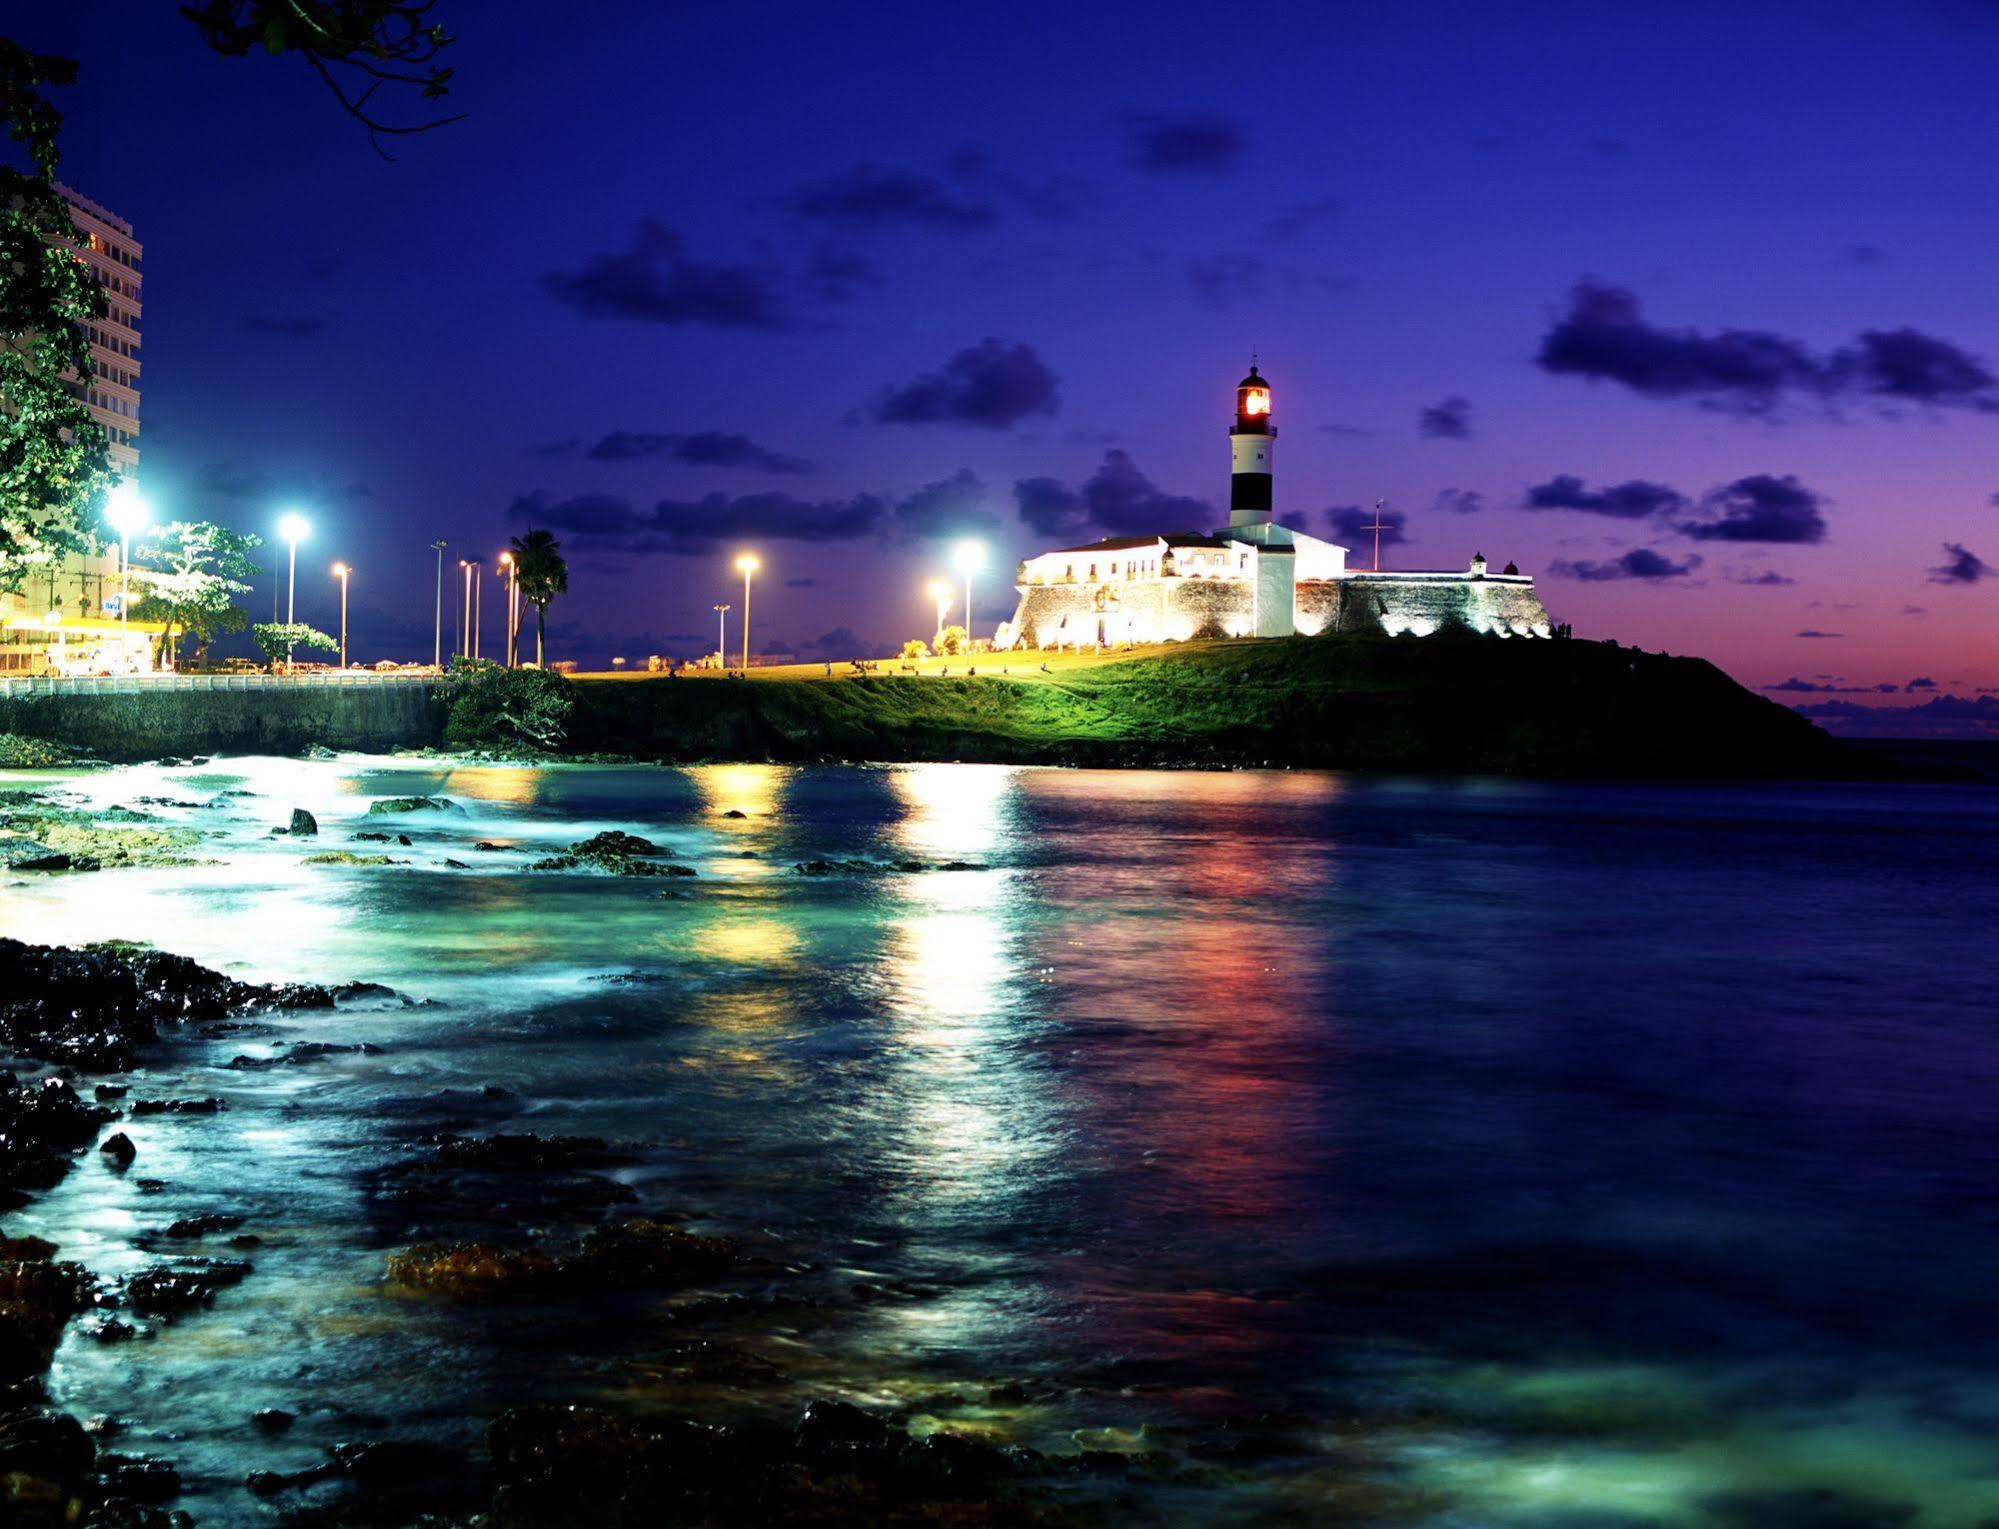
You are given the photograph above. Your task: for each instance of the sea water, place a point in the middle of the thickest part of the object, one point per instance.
(1532, 1154)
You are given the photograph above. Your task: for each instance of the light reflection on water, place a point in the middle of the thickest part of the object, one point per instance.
(1618, 1153)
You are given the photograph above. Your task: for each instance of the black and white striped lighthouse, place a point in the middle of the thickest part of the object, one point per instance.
(1250, 440)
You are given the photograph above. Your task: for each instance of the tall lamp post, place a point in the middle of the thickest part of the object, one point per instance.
(722, 636)
(478, 574)
(127, 513)
(293, 529)
(437, 637)
(969, 557)
(749, 565)
(340, 571)
(941, 593)
(513, 572)
(465, 643)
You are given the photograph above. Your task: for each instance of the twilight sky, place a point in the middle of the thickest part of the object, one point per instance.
(1689, 308)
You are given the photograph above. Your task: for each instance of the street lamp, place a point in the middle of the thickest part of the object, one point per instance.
(340, 571)
(465, 645)
(513, 572)
(437, 635)
(748, 564)
(941, 593)
(292, 528)
(969, 557)
(722, 636)
(127, 513)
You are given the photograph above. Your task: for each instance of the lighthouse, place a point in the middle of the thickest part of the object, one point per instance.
(1250, 440)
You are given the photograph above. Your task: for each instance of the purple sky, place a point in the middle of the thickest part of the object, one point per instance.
(1688, 309)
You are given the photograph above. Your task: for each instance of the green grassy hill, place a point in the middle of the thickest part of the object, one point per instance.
(1436, 704)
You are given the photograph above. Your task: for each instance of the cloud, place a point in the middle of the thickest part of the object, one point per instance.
(685, 526)
(1226, 278)
(1942, 716)
(1458, 501)
(835, 275)
(656, 282)
(704, 448)
(1300, 219)
(1815, 633)
(800, 583)
(1915, 610)
(1446, 421)
(1638, 563)
(1116, 500)
(868, 198)
(563, 448)
(1960, 566)
(1759, 508)
(1630, 500)
(1767, 578)
(1352, 525)
(1920, 682)
(287, 326)
(841, 642)
(951, 507)
(1177, 145)
(1603, 337)
(991, 384)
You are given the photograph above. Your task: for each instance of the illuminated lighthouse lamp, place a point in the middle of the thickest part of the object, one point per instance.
(1256, 401)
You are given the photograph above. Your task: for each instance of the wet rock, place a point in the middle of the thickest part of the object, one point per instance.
(347, 857)
(555, 863)
(104, 1092)
(645, 1254)
(320, 751)
(45, 1464)
(92, 1008)
(835, 1431)
(356, 992)
(136, 1478)
(52, 860)
(303, 823)
(300, 1054)
(110, 1330)
(373, 837)
(735, 812)
(273, 1420)
(201, 1226)
(187, 1286)
(615, 845)
(118, 1150)
(527, 1153)
(41, 1125)
(456, 865)
(149, 1186)
(838, 868)
(474, 1271)
(489, 847)
(37, 1298)
(391, 804)
(141, 1107)
(117, 836)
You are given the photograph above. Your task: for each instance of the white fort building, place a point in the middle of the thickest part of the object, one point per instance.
(1251, 578)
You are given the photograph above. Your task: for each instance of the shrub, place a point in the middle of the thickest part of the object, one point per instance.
(496, 708)
(282, 639)
(916, 647)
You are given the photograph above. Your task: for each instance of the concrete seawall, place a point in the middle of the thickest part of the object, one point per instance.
(123, 720)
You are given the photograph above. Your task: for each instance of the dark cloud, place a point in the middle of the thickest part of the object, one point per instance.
(1631, 500)
(703, 448)
(1301, 219)
(1458, 501)
(841, 642)
(951, 507)
(564, 448)
(1767, 578)
(1866, 255)
(871, 198)
(1915, 610)
(1603, 337)
(287, 326)
(1920, 682)
(656, 282)
(800, 583)
(1050, 508)
(1225, 278)
(991, 384)
(1355, 430)
(1759, 508)
(1046, 199)
(1116, 500)
(678, 526)
(1446, 421)
(1943, 716)
(835, 275)
(584, 514)
(1960, 566)
(1124, 502)
(1638, 563)
(1175, 145)
(1813, 632)
(1352, 525)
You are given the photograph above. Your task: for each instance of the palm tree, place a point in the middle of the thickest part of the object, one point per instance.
(543, 574)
